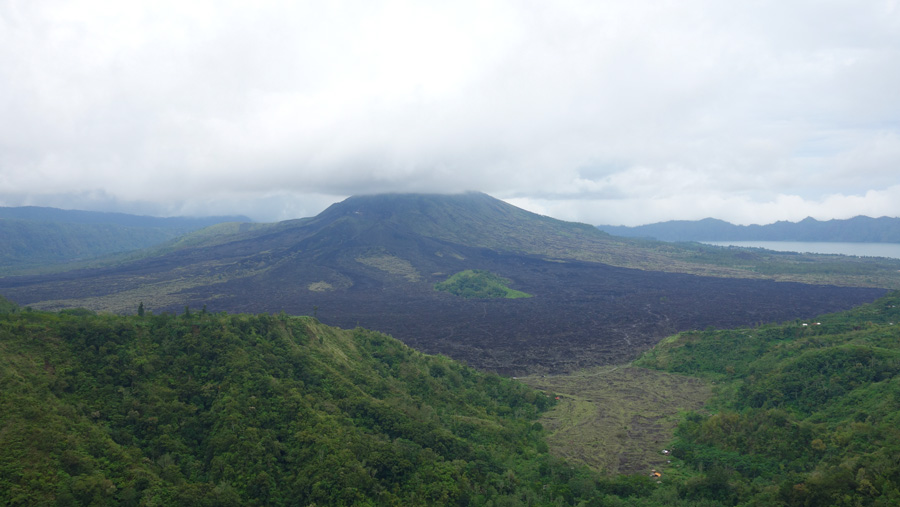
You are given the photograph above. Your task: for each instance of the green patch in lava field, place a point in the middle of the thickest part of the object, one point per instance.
(478, 283)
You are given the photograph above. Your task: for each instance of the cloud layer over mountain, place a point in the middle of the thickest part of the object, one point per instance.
(603, 112)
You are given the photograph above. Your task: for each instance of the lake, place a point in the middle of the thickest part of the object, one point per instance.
(891, 250)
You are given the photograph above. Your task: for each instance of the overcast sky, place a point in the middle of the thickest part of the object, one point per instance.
(606, 112)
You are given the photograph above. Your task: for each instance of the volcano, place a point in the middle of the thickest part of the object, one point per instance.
(373, 261)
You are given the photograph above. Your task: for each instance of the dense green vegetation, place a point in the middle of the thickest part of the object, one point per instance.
(805, 413)
(261, 409)
(478, 283)
(215, 409)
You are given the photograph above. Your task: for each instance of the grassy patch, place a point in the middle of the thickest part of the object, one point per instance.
(617, 419)
(390, 264)
(477, 283)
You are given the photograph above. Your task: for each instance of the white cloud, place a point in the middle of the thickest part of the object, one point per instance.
(654, 109)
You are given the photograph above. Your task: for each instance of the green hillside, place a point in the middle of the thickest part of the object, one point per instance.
(40, 240)
(805, 413)
(34, 245)
(203, 409)
(217, 409)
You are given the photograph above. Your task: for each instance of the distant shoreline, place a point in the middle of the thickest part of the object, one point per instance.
(890, 250)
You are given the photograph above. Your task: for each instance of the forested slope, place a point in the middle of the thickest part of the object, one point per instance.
(217, 409)
(241, 409)
(806, 413)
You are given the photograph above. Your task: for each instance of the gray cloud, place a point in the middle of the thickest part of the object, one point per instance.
(612, 112)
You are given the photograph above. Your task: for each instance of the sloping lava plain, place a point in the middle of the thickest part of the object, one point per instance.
(582, 314)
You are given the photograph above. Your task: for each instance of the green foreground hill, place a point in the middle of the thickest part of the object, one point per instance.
(805, 413)
(216, 409)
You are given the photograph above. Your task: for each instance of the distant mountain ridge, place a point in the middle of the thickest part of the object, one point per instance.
(37, 237)
(860, 229)
(46, 214)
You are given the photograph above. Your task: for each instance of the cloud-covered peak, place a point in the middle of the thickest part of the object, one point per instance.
(601, 112)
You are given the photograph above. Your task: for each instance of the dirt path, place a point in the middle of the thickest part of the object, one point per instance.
(617, 419)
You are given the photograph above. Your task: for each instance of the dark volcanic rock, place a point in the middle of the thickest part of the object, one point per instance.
(373, 262)
(582, 314)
